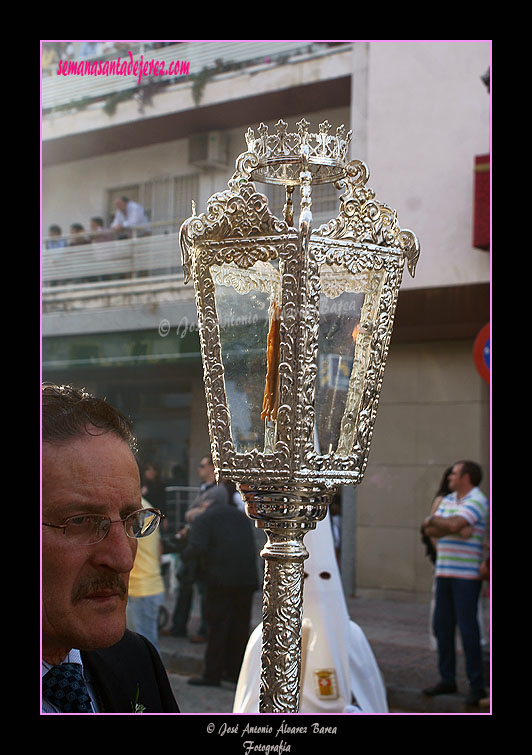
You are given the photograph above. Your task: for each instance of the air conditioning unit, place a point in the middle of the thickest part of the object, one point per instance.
(210, 150)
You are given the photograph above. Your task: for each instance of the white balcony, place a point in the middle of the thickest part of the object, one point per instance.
(60, 91)
(144, 270)
(109, 273)
(155, 252)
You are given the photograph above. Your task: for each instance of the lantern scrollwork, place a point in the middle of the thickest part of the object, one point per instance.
(295, 325)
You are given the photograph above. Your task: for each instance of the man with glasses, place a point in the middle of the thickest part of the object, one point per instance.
(92, 517)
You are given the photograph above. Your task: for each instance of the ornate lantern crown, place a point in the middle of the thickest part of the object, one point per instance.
(280, 154)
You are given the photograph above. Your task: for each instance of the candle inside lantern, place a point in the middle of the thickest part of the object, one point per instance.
(271, 387)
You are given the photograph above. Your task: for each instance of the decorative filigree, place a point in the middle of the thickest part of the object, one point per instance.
(241, 214)
(222, 255)
(286, 515)
(362, 250)
(260, 276)
(237, 215)
(281, 637)
(365, 220)
(336, 280)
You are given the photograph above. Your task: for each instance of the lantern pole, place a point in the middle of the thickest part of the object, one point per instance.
(285, 517)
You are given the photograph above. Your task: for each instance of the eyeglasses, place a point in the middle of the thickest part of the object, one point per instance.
(88, 529)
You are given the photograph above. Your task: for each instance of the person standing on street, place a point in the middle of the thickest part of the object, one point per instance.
(459, 525)
(221, 541)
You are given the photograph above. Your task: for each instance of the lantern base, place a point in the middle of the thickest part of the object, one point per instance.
(286, 516)
(284, 508)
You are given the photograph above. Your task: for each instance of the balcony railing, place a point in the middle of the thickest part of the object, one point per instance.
(59, 91)
(103, 262)
(82, 268)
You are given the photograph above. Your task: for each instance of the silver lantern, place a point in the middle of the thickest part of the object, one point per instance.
(294, 325)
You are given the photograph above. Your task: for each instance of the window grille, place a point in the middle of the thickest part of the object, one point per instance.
(166, 201)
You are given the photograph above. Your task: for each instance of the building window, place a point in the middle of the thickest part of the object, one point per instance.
(186, 189)
(166, 201)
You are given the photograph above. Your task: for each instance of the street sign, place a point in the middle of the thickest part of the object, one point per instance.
(481, 353)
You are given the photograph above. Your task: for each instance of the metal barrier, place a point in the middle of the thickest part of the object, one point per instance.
(178, 499)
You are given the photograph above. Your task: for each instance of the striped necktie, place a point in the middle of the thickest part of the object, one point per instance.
(64, 687)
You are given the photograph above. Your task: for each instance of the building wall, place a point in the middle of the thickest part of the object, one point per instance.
(77, 190)
(421, 114)
(434, 410)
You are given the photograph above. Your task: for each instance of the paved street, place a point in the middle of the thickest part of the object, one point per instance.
(398, 634)
(193, 699)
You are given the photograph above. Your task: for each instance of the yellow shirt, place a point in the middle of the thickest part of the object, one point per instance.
(145, 578)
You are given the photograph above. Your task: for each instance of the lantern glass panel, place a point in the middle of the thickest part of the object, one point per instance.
(348, 307)
(243, 304)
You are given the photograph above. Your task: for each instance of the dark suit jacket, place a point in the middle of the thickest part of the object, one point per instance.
(221, 539)
(116, 671)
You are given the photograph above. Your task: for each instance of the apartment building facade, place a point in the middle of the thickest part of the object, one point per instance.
(118, 319)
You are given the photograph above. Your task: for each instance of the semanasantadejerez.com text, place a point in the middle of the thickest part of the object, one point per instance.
(123, 68)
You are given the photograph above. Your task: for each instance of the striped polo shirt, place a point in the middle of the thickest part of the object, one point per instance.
(458, 557)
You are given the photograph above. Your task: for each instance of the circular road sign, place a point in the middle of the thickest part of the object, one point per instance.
(481, 353)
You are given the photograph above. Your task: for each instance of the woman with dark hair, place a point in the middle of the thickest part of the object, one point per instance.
(430, 543)
(443, 490)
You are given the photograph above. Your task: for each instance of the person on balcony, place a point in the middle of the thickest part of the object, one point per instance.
(78, 235)
(99, 232)
(55, 241)
(129, 215)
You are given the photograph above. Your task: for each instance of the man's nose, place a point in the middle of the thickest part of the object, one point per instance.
(116, 550)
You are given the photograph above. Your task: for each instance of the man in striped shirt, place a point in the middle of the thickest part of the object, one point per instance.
(459, 524)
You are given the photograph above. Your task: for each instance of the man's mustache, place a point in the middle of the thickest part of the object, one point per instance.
(98, 583)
